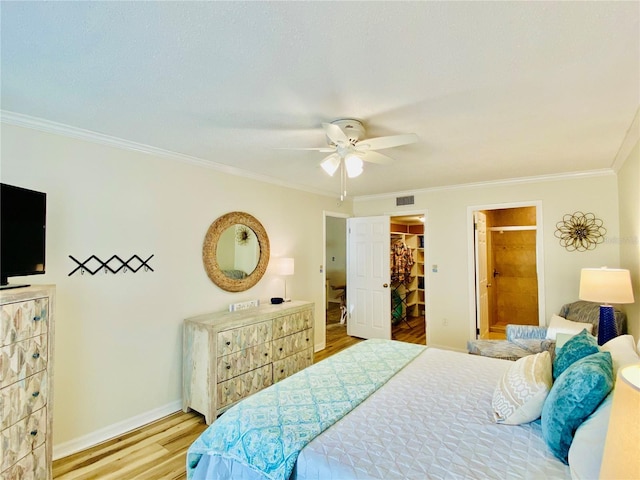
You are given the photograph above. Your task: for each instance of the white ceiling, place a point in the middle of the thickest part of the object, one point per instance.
(494, 90)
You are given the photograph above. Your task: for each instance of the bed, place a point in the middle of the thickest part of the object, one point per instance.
(431, 417)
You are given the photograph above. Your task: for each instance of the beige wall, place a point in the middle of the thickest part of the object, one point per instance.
(629, 239)
(449, 301)
(118, 343)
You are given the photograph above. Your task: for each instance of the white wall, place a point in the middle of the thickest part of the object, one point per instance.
(447, 237)
(629, 239)
(118, 350)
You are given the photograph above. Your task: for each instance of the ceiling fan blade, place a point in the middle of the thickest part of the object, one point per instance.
(375, 157)
(335, 134)
(387, 142)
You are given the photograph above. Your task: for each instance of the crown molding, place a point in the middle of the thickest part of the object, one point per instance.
(602, 172)
(47, 126)
(630, 140)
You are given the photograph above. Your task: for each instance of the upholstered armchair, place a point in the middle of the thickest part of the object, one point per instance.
(523, 340)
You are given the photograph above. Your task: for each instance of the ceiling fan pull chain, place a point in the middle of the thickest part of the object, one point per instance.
(343, 180)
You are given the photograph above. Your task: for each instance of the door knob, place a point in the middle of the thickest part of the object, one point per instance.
(385, 285)
(488, 285)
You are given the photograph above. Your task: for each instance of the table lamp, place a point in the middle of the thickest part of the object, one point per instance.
(620, 459)
(606, 285)
(285, 267)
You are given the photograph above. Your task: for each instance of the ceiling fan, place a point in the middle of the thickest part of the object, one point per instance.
(349, 149)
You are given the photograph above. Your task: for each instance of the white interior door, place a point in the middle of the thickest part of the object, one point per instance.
(368, 277)
(482, 283)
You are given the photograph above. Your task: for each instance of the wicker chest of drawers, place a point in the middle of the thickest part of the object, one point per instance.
(26, 344)
(228, 356)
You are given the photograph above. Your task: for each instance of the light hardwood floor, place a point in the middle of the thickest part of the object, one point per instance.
(158, 450)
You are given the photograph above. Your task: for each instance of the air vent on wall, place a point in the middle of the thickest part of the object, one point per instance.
(408, 200)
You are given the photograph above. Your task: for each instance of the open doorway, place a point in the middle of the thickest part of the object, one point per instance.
(335, 274)
(409, 324)
(506, 267)
(408, 307)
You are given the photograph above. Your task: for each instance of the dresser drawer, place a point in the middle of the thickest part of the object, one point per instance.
(22, 359)
(237, 339)
(286, 346)
(22, 398)
(31, 467)
(21, 320)
(241, 362)
(292, 364)
(241, 386)
(295, 322)
(18, 440)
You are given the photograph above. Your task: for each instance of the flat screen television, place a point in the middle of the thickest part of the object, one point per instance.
(23, 218)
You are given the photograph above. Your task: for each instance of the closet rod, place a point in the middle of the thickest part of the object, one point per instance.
(513, 228)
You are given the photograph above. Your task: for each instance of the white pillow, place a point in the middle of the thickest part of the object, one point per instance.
(587, 446)
(623, 352)
(559, 324)
(521, 391)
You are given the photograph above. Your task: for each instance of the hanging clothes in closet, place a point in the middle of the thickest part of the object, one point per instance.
(401, 262)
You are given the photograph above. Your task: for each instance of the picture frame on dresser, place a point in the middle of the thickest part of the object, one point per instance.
(26, 382)
(228, 356)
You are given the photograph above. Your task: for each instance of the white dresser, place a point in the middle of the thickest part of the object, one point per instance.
(230, 355)
(26, 343)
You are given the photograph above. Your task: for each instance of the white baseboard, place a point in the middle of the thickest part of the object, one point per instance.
(73, 446)
(319, 346)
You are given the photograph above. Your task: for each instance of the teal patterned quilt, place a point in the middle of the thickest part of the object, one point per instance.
(267, 430)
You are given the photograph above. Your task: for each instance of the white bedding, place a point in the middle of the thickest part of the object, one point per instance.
(432, 420)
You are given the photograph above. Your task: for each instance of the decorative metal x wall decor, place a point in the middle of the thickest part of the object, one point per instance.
(123, 265)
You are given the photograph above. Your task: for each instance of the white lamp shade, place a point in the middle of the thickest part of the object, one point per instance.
(606, 285)
(620, 459)
(331, 164)
(284, 266)
(353, 163)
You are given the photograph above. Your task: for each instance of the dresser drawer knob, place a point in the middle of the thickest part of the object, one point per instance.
(280, 348)
(36, 355)
(266, 354)
(37, 318)
(35, 394)
(228, 367)
(33, 432)
(282, 371)
(228, 343)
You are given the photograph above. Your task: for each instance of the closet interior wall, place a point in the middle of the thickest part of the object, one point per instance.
(407, 281)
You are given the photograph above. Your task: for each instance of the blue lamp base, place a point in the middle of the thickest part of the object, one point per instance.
(607, 327)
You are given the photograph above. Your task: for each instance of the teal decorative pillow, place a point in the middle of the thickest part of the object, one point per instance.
(574, 396)
(577, 347)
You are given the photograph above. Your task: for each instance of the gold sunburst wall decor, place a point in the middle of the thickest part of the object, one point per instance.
(580, 231)
(242, 235)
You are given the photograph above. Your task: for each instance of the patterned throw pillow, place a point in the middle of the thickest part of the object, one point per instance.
(574, 396)
(577, 347)
(522, 390)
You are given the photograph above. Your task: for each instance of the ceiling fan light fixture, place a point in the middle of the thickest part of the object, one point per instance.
(353, 164)
(330, 165)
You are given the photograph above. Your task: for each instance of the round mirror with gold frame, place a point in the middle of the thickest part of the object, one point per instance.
(235, 252)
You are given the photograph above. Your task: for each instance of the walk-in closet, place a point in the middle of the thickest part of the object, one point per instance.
(407, 237)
